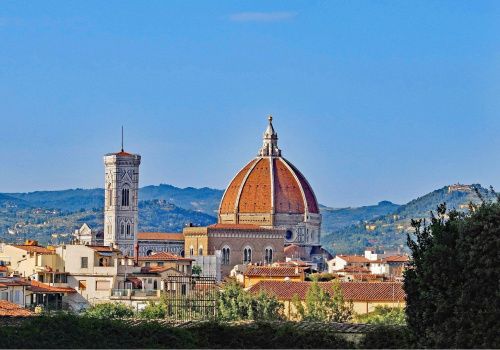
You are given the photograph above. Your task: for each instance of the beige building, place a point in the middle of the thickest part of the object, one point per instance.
(237, 243)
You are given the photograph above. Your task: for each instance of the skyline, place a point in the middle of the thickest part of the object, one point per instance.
(371, 101)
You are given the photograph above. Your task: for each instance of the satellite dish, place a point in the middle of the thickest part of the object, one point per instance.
(54, 240)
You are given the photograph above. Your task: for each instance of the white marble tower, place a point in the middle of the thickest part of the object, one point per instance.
(121, 212)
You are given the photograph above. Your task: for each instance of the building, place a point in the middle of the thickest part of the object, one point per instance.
(156, 242)
(270, 192)
(255, 274)
(164, 260)
(121, 199)
(235, 243)
(365, 295)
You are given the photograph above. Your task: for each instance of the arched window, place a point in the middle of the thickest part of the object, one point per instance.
(200, 250)
(125, 197)
(128, 229)
(191, 250)
(226, 255)
(269, 255)
(122, 229)
(149, 252)
(247, 255)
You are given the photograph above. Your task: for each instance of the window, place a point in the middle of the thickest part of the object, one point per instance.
(125, 197)
(247, 255)
(17, 296)
(269, 255)
(183, 289)
(191, 250)
(150, 280)
(85, 262)
(110, 195)
(4, 296)
(148, 264)
(200, 251)
(128, 229)
(60, 278)
(226, 255)
(160, 264)
(122, 229)
(102, 285)
(103, 262)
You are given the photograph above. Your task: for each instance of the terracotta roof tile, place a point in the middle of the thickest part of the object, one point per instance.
(3, 268)
(38, 287)
(295, 251)
(256, 194)
(354, 258)
(33, 249)
(8, 308)
(312, 203)
(396, 259)
(254, 271)
(229, 198)
(237, 227)
(288, 196)
(164, 256)
(160, 236)
(285, 290)
(102, 248)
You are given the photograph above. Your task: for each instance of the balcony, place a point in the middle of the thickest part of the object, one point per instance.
(134, 294)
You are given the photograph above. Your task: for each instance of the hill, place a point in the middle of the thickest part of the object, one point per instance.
(205, 200)
(388, 232)
(18, 224)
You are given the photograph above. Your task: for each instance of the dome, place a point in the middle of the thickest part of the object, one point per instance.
(269, 191)
(269, 184)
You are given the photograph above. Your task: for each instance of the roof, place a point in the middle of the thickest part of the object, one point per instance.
(38, 287)
(395, 259)
(354, 258)
(380, 291)
(101, 248)
(8, 308)
(278, 271)
(3, 268)
(121, 153)
(238, 227)
(33, 249)
(265, 181)
(354, 269)
(160, 236)
(164, 256)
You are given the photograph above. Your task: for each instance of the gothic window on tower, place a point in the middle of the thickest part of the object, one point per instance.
(125, 197)
(128, 229)
(191, 250)
(200, 250)
(122, 229)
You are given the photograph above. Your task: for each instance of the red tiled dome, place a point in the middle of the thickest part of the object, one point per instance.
(267, 182)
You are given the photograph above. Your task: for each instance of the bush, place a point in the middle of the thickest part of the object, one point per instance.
(384, 315)
(109, 310)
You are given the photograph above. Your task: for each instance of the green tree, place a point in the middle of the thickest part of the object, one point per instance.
(234, 303)
(453, 293)
(196, 270)
(322, 306)
(384, 315)
(155, 310)
(109, 310)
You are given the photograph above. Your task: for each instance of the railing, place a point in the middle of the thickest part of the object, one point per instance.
(135, 292)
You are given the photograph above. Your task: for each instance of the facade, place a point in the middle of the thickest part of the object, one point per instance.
(121, 212)
(237, 244)
(156, 242)
(255, 274)
(270, 192)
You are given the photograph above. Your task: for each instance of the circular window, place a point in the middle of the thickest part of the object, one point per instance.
(289, 235)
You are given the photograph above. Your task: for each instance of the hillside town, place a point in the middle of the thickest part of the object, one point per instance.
(267, 238)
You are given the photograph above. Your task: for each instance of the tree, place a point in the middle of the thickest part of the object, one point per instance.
(155, 310)
(234, 303)
(322, 306)
(196, 270)
(109, 310)
(451, 283)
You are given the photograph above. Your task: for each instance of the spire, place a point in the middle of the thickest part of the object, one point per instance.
(270, 142)
(122, 138)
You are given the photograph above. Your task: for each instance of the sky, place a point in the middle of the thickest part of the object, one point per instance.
(371, 100)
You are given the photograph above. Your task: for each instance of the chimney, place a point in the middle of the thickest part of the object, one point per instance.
(137, 254)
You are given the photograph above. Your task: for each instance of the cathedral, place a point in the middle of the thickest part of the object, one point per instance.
(268, 206)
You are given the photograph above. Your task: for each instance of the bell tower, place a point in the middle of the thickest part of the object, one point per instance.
(121, 199)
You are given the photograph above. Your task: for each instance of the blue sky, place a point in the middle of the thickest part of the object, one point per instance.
(373, 100)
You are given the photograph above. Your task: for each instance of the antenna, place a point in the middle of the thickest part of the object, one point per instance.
(122, 138)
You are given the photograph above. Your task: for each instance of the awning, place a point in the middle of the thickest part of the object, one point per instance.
(134, 280)
(106, 253)
(82, 285)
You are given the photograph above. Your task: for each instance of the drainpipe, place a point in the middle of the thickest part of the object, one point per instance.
(137, 254)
